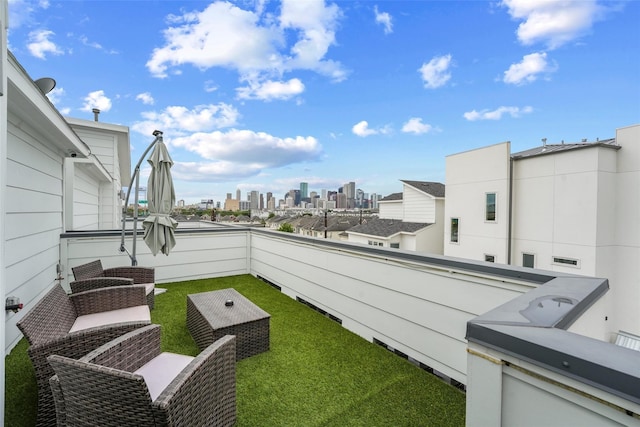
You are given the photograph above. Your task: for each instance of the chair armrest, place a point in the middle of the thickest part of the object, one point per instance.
(108, 299)
(74, 345)
(137, 273)
(205, 391)
(97, 283)
(128, 352)
(58, 400)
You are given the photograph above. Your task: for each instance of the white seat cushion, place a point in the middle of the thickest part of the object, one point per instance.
(148, 287)
(130, 314)
(161, 370)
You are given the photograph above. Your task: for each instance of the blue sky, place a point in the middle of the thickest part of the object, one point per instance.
(261, 95)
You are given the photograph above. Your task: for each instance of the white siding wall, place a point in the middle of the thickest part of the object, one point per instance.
(429, 240)
(4, 14)
(32, 221)
(469, 176)
(419, 311)
(104, 146)
(86, 201)
(391, 210)
(417, 206)
(196, 255)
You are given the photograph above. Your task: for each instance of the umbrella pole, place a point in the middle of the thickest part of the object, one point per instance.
(136, 177)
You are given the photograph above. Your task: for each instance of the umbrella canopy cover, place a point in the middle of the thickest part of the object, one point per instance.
(159, 227)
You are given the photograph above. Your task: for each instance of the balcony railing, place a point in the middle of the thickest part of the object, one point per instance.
(489, 327)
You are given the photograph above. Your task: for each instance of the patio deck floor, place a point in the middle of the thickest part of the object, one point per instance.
(316, 373)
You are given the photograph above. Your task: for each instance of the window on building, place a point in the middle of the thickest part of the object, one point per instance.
(490, 207)
(490, 258)
(395, 245)
(455, 224)
(528, 260)
(566, 261)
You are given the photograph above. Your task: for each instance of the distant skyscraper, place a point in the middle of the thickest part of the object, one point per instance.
(304, 190)
(324, 194)
(238, 198)
(254, 199)
(228, 196)
(261, 201)
(349, 189)
(341, 201)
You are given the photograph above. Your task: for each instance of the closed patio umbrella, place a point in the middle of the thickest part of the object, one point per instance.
(159, 227)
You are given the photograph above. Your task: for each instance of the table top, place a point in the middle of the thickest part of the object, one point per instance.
(212, 307)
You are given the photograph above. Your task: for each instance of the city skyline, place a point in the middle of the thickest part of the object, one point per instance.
(325, 194)
(261, 96)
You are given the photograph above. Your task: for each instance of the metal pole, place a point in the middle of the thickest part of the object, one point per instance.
(136, 177)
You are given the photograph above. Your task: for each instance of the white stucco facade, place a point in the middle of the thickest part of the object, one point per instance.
(568, 210)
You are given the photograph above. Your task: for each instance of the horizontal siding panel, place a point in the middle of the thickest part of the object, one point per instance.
(195, 255)
(21, 176)
(27, 201)
(29, 224)
(24, 149)
(445, 353)
(17, 250)
(26, 270)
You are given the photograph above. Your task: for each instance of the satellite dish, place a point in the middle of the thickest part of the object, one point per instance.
(45, 84)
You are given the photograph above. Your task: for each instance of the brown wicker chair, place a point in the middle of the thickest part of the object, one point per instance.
(93, 276)
(129, 382)
(48, 325)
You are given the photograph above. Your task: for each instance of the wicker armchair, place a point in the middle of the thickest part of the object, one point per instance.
(93, 276)
(129, 382)
(50, 328)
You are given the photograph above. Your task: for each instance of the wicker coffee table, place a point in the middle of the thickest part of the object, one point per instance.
(210, 317)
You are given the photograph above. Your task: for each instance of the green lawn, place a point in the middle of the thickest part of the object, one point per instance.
(315, 374)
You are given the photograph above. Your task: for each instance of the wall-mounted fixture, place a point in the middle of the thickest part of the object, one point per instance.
(13, 304)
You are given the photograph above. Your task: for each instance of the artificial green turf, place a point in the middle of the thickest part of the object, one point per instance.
(316, 373)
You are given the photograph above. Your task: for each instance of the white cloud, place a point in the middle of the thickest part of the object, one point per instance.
(362, 129)
(316, 24)
(435, 73)
(55, 95)
(385, 19)
(528, 69)
(179, 120)
(85, 41)
(224, 35)
(21, 12)
(213, 171)
(210, 86)
(145, 98)
(269, 90)
(96, 99)
(256, 150)
(497, 113)
(554, 23)
(414, 125)
(39, 44)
